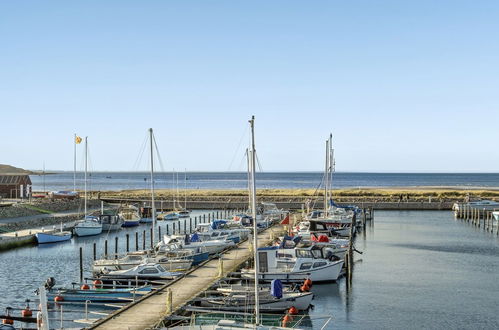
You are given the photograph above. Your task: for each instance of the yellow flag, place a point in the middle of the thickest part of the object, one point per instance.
(77, 140)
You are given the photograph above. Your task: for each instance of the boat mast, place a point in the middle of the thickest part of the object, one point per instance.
(86, 168)
(326, 179)
(185, 188)
(153, 206)
(248, 152)
(253, 214)
(331, 164)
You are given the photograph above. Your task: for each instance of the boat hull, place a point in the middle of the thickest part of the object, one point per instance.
(45, 238)
(130, 223)
(87, 231)
(299, 301)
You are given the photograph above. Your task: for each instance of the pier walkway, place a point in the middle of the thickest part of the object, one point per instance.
(150, 310)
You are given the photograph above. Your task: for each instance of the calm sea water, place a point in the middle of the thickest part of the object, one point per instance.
(419, 270)
(238, 180)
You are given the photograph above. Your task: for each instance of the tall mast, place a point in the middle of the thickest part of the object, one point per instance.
(86, 168)
(153, 206)
(326, 179)
(331, 164)
(253, 214)
(185, 188)
(248, 155)
(74, 164)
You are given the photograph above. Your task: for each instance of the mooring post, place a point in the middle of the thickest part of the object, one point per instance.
(159, 233)
(95, 251)
(195, 221)
(167, 230)
(152, 238)
(116, 247)
(144, 240)
(190, 225)
(169, 300)
(127, 242)
(105, 249)
(204, 218)
(81, 264)
(136, 241)
(220, 267)
(173, 228)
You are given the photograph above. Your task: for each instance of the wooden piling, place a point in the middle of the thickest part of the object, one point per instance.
(81, 264)
(136, 241)
(144, 240)
(152, 238)
(105, 249)
(159, 233)
(116, 247)
(95, 251)
(127, 242)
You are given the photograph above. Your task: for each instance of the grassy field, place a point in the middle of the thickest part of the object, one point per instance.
(381, 193)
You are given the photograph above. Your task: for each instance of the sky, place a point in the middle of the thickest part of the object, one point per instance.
(403, 86)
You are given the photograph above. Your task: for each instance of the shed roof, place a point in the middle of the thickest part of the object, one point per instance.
(14, 179)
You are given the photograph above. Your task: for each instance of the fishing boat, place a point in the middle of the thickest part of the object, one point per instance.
(296, 265)
(150, 271)
(110, 222)
(130, 215)
(53, 236)
(89, 226)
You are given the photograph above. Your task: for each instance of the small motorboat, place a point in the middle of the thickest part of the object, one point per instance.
(130, 215)
(53, 237)
(134, 259)
(150, 271)
(110, 222)
(185, 242)
(184, 213)
(89, 226)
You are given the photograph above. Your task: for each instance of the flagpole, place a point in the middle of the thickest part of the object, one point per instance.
(74, 164)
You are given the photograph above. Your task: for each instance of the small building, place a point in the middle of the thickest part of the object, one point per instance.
(15, 185)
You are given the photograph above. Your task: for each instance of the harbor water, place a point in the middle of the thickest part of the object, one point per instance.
(418, 270)
(266, 180)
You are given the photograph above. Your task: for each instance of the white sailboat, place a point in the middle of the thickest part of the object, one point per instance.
(89, 226)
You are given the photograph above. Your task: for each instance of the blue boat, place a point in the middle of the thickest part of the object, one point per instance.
(97, 295)
(198, 258)
(53, 237)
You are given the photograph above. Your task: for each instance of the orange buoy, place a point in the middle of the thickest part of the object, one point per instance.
(8, 321)
(308, 282)
(58, 298)
(97, 284)
(84, 287)
(305, 288)
(26, 312)
(293, 310)
(286, 319)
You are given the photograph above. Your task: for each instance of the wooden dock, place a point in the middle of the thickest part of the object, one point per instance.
(152, 309)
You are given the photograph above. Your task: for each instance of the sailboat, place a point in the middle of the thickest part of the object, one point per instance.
(224, 324)
(53, 236)
(90, 225)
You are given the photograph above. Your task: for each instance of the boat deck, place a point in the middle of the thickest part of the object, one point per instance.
(150, 310)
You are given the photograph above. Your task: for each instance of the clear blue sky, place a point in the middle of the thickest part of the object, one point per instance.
(403, 86)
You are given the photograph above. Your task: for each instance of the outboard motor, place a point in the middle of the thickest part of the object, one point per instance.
(49, 283)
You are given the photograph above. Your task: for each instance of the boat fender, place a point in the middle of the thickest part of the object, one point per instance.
(308, 282)
(97, 284)
(26, 312)
(84, 287)
(286, 319)
(58, 298)
(8, 321)
(293, 310)
(305, 288)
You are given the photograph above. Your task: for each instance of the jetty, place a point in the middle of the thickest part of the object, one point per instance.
(149, 311)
